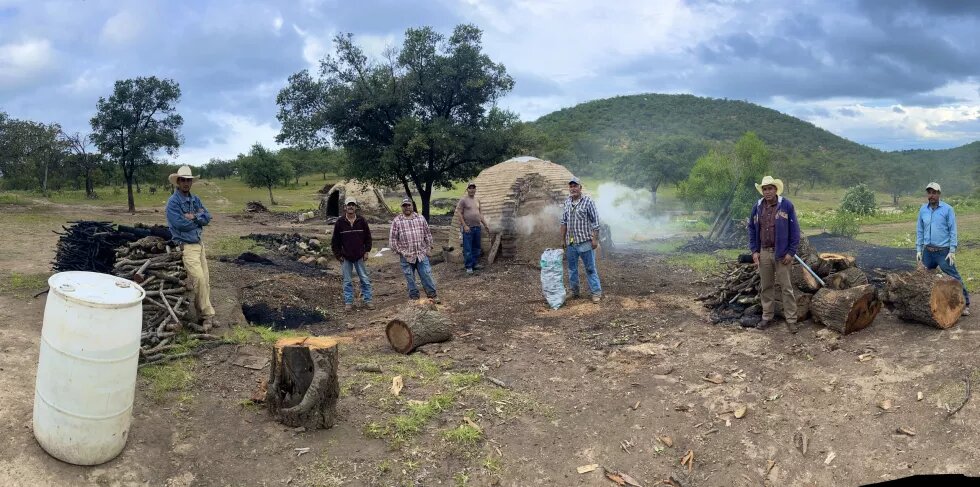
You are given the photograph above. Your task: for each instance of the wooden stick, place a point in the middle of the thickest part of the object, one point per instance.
(965, 399)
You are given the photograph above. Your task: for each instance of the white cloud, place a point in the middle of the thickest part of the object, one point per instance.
(315, 46)
(123, 27)
(21, 62)
(277, 23)
(234, 135)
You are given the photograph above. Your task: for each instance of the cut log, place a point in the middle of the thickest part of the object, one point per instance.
(925, 297)
(803, 280)
(802, 307)
(845, 310)
(847, 278)
(494, 248)
(303, 387)
(838, 262)
(415, 326)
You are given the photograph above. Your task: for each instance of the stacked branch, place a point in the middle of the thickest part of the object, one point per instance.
(159, 269)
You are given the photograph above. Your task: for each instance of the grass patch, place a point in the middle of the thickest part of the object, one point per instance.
(12, 199)
(461, 380)
(463, 435)
(403, 427)
(704, 264)
(23, 285)
(232, 246)
(166, 379)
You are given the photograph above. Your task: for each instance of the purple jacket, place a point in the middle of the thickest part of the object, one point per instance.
(787, 228)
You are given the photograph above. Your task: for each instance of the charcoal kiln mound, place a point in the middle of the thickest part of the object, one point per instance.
(370, 200)
(521, 198)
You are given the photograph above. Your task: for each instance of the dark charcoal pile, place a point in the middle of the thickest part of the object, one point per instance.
(91, 246)
(255, 207)
(734, 239)
(307, 250)
(869, 255)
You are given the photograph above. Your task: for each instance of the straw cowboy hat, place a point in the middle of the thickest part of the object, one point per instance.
(769, 181)
(183, 172)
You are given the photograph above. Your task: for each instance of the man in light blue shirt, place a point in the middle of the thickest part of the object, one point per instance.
(187, 217)
(935, 238)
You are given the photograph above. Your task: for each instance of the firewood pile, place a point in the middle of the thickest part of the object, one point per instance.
(845, 301)
(91, 246)
(306, 250)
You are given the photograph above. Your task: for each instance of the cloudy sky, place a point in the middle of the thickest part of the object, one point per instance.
(895, 74)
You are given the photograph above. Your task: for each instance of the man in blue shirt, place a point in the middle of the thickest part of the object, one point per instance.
(187, 218)
(935, 238)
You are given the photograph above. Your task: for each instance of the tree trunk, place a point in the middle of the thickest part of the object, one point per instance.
(838, 262)
(415, 326)
(271, 200)
(924, 297)
(89, 187)
(129, 189)
(847, 278)
(803, 280)
(846, 310)
(303, 387)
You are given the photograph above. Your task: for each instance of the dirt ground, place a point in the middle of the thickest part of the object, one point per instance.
(586, 384)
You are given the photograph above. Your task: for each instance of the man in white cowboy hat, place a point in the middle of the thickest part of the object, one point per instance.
(935, 233)
(774, 235)
(187, 218)
(351, 244)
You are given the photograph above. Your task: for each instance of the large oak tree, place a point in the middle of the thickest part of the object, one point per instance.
(137, 121)
(422, 117)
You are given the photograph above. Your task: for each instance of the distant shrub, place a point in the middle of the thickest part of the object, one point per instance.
(859, 200)
(843, 223)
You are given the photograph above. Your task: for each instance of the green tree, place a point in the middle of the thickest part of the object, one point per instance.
(82, 159)
(262, 169)
(724, 181)
(422, 118)
(859, 200)
(138, 120)
(30, 152)
(664, 161)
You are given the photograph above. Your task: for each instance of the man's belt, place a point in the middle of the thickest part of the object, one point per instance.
(771, 249)
(933, 248)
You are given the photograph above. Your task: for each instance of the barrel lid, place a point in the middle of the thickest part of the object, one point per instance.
(96, 288)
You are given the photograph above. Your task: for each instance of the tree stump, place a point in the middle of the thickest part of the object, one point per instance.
(812, 257)
(847, 278)
(415, 326)
(845, 310)
(803, 280)
(838, 262)
(303, 387)
(925, 297)
(802, 307)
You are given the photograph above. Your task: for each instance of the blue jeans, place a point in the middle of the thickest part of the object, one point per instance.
(425, 275)
(362, 275)
(938, 259)
(471, 246)
(585, 251)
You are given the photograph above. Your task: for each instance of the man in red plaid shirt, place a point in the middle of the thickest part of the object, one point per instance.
(411, 239)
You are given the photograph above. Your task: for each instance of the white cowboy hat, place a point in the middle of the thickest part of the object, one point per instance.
(769, 181)
(183, 172)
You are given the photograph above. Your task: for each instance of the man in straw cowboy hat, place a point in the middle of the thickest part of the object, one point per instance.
(774, 234)
(187, 217)
(935, 233)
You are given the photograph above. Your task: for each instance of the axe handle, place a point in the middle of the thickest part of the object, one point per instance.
(808, 269)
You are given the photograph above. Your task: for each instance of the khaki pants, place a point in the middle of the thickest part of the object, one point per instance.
(196, 263)
(770, 274)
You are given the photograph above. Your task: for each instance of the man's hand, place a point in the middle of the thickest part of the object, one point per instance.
(787, 259)
(188, 216)
(466, 228)
(366, 255)
(918, 257)
(951, 258)
(755, 258)
(595, 243)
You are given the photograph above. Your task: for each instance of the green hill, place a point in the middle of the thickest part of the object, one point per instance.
(589, 137)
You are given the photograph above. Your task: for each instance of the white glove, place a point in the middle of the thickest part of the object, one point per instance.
(951, 258)
(918, 256)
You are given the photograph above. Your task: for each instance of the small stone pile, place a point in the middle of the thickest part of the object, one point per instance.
(304, 249)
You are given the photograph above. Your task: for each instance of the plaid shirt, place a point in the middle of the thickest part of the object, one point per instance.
(410, 237)
(581, 219)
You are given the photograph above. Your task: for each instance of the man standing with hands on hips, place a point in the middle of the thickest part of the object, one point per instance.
(935, 234)
(774, 235)
(580, 238)
(187, 217)
(411, 239)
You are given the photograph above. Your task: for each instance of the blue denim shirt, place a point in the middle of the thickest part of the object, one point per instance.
(936, 227)
(184, 230)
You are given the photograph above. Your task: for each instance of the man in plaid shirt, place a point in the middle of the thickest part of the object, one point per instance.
(411, 239)
(580, 237)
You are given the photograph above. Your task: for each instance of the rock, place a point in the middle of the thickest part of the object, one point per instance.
(283, 248)
(303, 245)
(301, 217)
(740, 412)
(322, 261)
(750, 321)
(314, 243)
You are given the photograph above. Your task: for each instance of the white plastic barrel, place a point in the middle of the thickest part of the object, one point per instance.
(86, 372)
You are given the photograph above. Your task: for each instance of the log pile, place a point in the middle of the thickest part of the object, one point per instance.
(91, 246)
(158, 268)
(847, 303)
(925, 297)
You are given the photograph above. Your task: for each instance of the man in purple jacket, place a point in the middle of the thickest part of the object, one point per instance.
(774, 234)
(351, 243)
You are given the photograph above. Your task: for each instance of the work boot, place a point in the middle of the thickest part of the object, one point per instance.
(966, 311)
(763, 324)
(436, 300)
(469, 271)
(596, 298)
(478, 267)
(573, 294)
(208, 323)
(793, 327)
(348, 307)
(369, 305)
